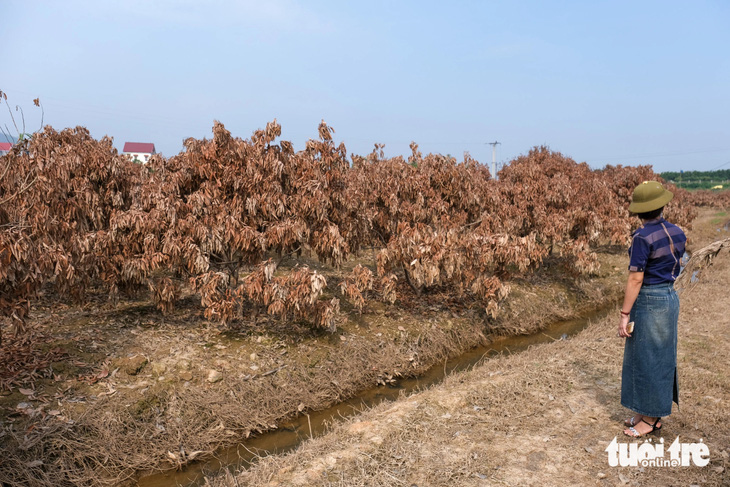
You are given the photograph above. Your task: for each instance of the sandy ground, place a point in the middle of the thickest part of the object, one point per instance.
(542, 417)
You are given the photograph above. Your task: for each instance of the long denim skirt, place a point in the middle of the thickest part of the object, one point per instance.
(649, 376)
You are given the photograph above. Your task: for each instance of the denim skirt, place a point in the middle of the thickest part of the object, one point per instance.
(649, 376)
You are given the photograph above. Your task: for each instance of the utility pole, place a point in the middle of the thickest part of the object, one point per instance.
(494, 158)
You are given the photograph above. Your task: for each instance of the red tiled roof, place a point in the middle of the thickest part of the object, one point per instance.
(139, 147)
(6, 146)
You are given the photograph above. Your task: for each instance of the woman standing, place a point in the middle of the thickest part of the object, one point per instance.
(649, 376)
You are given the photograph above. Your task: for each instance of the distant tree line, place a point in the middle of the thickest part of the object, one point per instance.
(698, 179)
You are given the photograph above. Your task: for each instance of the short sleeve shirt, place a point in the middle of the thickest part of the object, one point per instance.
(656, 250)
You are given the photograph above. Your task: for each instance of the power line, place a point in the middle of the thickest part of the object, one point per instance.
(659, 154)
(721, 165)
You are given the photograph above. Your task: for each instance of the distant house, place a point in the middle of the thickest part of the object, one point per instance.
(139, 151)
(5, 148)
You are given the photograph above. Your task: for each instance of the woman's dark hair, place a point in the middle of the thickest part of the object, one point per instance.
(650, 215)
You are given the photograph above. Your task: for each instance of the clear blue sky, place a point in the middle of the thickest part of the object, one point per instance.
(607, 82)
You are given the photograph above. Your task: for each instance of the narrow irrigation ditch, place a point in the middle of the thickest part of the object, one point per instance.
(291, 434)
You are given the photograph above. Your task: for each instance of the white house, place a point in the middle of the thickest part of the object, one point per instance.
(5, 148)
(139, 151)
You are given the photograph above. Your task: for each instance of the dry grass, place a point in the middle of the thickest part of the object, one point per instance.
(81, 429)
(111, 439)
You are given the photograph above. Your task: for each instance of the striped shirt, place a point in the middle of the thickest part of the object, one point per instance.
(656, 249)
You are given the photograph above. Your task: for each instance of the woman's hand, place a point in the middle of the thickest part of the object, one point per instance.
(622, 327)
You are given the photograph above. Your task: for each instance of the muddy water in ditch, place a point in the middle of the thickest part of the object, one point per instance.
(292, 434)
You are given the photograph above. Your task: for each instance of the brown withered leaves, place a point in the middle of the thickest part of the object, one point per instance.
(218, 218)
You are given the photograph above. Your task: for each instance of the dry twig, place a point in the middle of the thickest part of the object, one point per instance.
(701, 259)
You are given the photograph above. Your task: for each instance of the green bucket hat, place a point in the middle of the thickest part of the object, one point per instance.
(649, 196)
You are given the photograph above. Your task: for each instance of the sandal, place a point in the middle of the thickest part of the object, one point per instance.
(632, 421)
(636, 434)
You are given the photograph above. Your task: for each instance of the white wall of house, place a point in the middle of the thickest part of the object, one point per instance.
(142, 157)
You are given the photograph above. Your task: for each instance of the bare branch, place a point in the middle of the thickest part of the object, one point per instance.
(22, 190)
(700, 260)
(43, 114)
(12, 118)
(22, 116)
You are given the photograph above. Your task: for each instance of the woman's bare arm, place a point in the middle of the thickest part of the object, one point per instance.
(633, 286)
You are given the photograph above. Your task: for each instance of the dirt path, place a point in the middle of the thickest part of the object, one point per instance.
(542, 417)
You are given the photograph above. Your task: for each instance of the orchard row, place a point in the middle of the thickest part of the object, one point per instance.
(217, 220)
